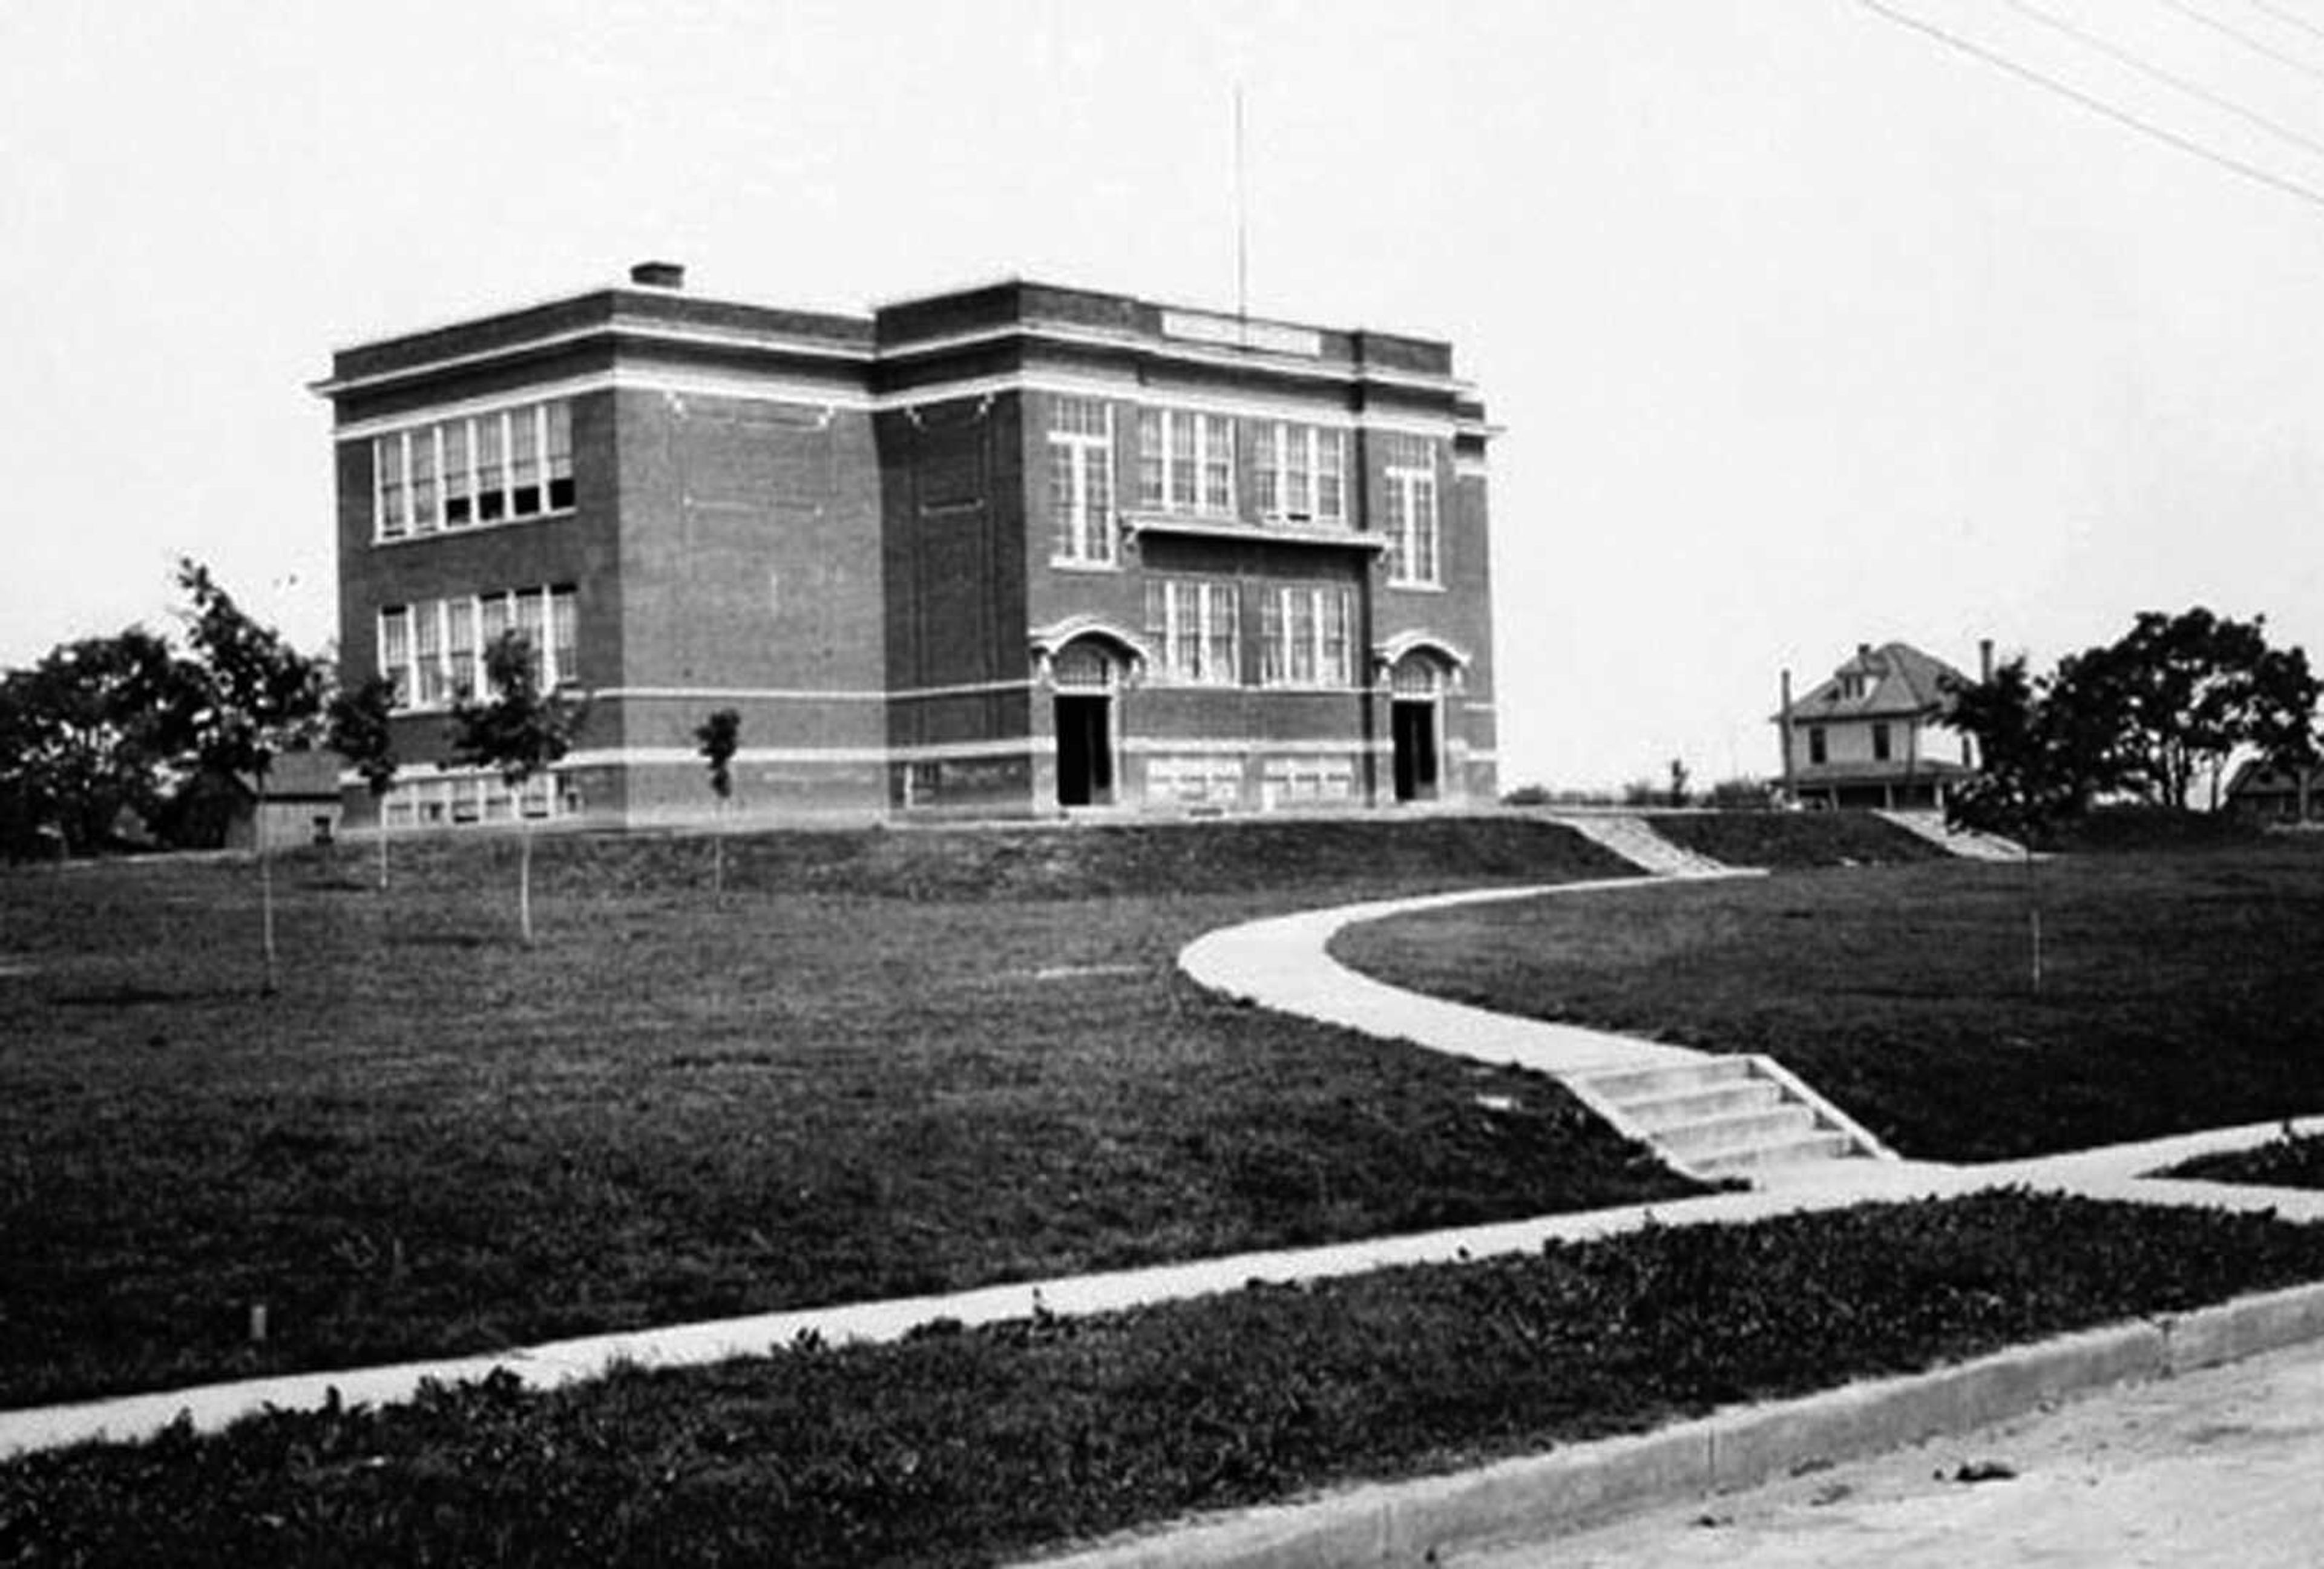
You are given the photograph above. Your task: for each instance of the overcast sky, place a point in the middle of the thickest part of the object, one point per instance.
(1806, 329)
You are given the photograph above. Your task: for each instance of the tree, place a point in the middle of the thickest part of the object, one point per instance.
(260, 697)
(520, 731)
(719, 736)
(2181, 694)
(92, 731)
(360, 730)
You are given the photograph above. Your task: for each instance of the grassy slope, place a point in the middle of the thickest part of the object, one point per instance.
(2180, 991)
(972, 1447)
(1796, 839)
(434, 1140)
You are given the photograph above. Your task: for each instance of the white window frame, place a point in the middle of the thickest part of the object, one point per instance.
(1312, 608)
(1206, 614)
(1082, 461)
(399, 512)
(1415, 522)
(1171, 480)
(1288, 448)
(548, 615)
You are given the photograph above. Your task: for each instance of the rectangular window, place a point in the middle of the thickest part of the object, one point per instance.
(1218, 464)
(459, 479)
(1298, 473)
(529, 621)
(460, 647)
(494, 615)
(1880, 744)
(395, 651)
(525, 462)
(513, 463)
(491, 469)
(1186, 461)
(1410, 472)
(387, 464)
(424, 516)
(559, 445)
(563, 637)
(1817, 751)
(1080, 480)
(1303, 628)
(1331, 471)
(427, 649)
(1196, 627)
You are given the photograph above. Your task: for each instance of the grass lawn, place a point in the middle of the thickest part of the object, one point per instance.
(976, 1447)
(1794, 839)
(435, 1141)
(2180, 990)
(2294, 1160)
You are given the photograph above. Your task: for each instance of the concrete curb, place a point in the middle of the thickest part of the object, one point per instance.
(1414, 1522)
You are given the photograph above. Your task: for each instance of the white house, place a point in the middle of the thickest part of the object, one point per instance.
(1873, 736)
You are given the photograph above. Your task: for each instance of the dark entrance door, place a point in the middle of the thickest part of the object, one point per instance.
(1084, 751)
(1412, 730)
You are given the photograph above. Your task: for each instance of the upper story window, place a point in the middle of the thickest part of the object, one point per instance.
(1298, 473)
(479, 468)
(1304, 636)
(1410, 521)
(434, 649)
(1196, 626)
(1081, 481)
(1186, 462)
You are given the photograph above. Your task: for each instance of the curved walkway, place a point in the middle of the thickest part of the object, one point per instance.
(1278, 964)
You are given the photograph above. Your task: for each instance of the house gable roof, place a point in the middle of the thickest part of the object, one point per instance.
(1896, 681)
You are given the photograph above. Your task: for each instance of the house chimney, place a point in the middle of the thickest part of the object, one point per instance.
(659, 275)
(1985, 658)
(1863, 651)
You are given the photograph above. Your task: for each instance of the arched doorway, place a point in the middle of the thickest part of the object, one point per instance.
(1084, 678)
(1416, 683)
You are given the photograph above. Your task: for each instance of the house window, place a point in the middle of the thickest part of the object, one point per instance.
(482, 468)
(1880, 744)
(1298, 473)
(1081, 481)
(1818, 752)
(434, 651)
(1304, 636)
(1196, 626)
(1186, 461)
(1411, 481)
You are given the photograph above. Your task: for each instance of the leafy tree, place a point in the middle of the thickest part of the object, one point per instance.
(2182, 693)
(93, 730)
(521, 730)
(719, 736)
(361, 730)
(260, 697)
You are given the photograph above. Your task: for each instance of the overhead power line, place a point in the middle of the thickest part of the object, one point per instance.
(2256, 45)
(2289, 18)
(2096, 106)
(2169, 79)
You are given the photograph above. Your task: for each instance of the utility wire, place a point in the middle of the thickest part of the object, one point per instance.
(2289, 18)
(2169, 79)
(2256, 45)
(2096, 106)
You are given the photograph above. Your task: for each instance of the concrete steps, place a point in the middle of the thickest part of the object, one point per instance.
(1634, 841)
(1965, 843)
(1724, 1116)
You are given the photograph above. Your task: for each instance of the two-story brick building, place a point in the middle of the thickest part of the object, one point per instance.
(1013, 550)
